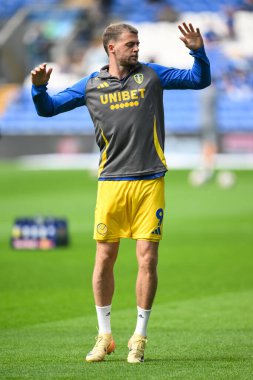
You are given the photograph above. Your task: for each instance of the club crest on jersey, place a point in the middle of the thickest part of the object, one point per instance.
(138, 78)
(102, 229)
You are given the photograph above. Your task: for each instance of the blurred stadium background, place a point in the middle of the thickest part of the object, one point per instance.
(67, 34)
(201, 325)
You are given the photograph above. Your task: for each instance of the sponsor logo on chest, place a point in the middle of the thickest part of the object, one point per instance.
(125, 98)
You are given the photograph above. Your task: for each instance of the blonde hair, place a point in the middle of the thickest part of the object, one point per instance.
(113, 31)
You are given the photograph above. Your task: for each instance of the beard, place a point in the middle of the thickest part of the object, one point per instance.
(130, 62)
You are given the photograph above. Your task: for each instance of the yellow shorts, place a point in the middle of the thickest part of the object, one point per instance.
(129, 209)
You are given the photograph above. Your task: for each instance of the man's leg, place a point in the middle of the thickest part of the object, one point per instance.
(146, 285)
(103, 278)
(103, 288)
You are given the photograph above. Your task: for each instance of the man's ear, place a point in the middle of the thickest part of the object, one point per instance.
(111, 46)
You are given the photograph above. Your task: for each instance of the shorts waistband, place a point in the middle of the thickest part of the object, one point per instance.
(134, 178)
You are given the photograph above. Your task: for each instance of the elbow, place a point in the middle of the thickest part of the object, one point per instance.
(203, 84)
(43, 109)
(207, 82)
(44, 114)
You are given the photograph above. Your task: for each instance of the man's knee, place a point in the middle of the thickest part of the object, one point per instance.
(147, 254)
(148, 263)
(106, 254)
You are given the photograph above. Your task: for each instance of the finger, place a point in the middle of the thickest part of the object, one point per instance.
(198, 31)
(49, 72)
(183, 39)
(37, 70)
(191, 27)
(186, 27)
(182, 30)
(43, 66)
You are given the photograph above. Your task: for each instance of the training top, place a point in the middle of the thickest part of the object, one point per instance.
(128, 114)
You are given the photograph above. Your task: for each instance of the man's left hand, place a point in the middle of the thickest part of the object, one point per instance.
(191, 38)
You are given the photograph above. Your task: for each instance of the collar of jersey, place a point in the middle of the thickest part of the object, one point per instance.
(104, 73)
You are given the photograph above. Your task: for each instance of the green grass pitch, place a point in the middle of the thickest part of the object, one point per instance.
(201, 326)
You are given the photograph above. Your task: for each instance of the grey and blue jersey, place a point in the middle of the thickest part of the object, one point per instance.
(128, 114)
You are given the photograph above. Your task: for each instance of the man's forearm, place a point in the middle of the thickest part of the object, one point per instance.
(42, 101)
(201, 69)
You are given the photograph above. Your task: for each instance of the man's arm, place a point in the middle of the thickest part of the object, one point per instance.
(64, 101)
(198, 76)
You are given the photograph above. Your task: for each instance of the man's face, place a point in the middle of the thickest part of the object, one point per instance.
(126, 49)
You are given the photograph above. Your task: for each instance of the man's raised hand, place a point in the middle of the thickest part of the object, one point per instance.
(40, 75)
(190, 37)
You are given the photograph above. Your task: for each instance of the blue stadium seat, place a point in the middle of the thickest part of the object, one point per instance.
(182, 108)
(128, 9)
(182, 115)
(8, 8)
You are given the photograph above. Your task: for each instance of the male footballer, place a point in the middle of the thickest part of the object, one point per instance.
(125, 101)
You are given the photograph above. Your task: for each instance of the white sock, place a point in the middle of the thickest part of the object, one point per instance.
(104, 319)
(142, 321)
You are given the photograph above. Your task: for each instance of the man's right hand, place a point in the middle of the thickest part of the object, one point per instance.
(40, 75)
